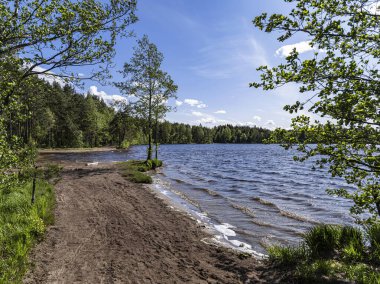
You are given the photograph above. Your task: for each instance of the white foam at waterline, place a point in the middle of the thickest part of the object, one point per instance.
(201, 215)
(241, 244)
(225, 229)
(218, 240)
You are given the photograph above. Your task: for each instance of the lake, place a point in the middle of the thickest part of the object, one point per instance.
(251, 194)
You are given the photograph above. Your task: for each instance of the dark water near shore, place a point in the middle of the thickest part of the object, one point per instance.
(257, 191)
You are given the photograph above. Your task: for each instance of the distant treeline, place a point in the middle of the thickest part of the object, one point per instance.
(61, 117)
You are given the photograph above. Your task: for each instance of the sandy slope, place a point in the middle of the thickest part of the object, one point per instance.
(109, 230)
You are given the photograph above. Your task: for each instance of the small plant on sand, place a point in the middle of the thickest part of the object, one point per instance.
(134, 170)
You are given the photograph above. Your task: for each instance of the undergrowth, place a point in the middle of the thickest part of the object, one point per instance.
(22, 225)
(331, 254)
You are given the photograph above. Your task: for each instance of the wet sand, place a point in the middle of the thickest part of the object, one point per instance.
(109, 230)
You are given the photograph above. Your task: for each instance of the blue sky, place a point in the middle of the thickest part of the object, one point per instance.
(212, 50)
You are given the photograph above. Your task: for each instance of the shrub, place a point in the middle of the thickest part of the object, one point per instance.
(134, 170)
(139, 177)
(124, 145)
(331, 253)
(362, 273)
(373, 233)
(318, 271)
(323, 240)
(149, 164)
(51, 171)
(287, 256)
(351, 243)
(156, 163)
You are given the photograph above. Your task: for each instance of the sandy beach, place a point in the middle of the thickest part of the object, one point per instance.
(108, 230)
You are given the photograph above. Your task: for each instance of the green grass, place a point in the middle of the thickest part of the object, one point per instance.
(21, 226)
(331, 253)
(134, 170)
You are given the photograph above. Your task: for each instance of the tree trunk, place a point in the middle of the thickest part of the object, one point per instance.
(150, 128)
(155, 138)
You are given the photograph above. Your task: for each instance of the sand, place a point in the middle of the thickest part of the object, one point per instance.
(109, 230)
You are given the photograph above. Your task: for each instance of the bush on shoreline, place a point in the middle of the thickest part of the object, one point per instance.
(331, 253)
(134, 170)
(22, 224)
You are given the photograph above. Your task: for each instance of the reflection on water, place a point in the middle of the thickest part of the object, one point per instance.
(258, 190)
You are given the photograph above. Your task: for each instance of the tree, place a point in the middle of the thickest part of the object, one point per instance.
(341, 84)
(41, 37)
(149, 84)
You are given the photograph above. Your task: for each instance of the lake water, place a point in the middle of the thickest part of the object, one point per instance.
(255, 194)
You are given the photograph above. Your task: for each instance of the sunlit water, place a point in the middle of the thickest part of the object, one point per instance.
(257, 191)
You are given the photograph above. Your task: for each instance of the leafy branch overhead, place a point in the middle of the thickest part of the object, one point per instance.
(63, 33)
(50, 37)
(341, 85)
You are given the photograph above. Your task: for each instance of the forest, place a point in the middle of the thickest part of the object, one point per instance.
(60, 117)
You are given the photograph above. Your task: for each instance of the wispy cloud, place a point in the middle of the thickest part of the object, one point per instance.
(229, 57)
(222, 111)
(257, 118)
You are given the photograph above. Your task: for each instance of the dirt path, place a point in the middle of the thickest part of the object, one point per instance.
(108, 230)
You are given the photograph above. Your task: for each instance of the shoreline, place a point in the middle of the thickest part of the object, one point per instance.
(77, 150)
(219, 233)
(110, 230)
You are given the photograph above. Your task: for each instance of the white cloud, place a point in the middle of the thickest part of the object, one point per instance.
(204, 118)
(49, 76)
(108, 99)
(195, 103)
(374, 8)
(303, 46)
(197, 113)
(222, 111)
(178, 103)
(271, 124)
(246, 123)
(257, 118)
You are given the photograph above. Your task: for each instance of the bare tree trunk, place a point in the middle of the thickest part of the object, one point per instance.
(156, 137)
(150, 127)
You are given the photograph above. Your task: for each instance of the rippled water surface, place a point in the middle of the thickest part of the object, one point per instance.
(258, 190)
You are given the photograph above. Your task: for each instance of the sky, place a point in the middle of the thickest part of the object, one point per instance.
(212, 50)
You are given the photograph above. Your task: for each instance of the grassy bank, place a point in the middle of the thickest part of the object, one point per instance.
(134, 170)
(331, 254)
(22, 225)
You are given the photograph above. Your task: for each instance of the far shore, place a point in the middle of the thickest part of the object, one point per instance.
(77, 150)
